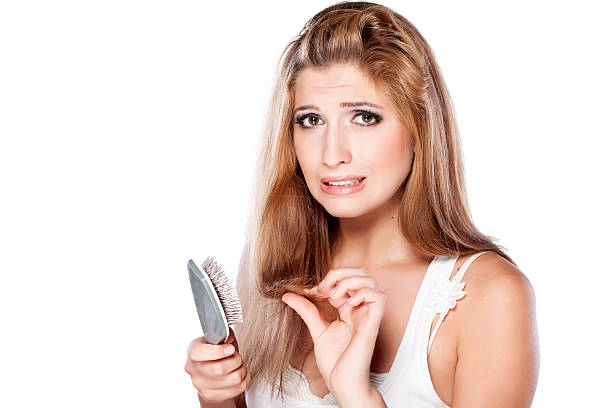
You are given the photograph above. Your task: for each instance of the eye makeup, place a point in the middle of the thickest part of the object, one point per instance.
(299, 120)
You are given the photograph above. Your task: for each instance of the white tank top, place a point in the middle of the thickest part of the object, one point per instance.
(408, 382)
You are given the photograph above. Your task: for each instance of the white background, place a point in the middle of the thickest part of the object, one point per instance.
(127, 136)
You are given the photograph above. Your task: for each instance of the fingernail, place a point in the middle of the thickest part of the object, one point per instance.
(228, 350)
(321, 284)
(332, 292)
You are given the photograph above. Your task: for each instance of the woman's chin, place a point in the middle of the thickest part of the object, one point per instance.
(344, 211)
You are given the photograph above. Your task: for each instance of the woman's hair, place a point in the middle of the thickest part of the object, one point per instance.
(291, 238)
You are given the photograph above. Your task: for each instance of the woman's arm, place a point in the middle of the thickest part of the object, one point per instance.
(498, 351)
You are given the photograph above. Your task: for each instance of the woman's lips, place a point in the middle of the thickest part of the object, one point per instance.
(342, 178)
(343, 190)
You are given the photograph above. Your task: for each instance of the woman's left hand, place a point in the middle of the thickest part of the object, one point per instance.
(343, 348)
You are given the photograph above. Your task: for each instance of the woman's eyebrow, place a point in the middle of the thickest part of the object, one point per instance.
(341, 105)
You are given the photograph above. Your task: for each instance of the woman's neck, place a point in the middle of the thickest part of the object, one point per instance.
(373, 240)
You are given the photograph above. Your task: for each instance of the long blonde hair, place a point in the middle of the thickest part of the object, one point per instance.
(290, 238)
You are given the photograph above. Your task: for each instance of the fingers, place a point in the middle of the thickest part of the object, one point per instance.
(219, 368)
(346, 287)
(199, 350)
(364, 296)
(215, 396)
(374, 299)
(216, 376)
(308, 312)
(221, 376)
(212, 368)
(367, 295)
(334, 275)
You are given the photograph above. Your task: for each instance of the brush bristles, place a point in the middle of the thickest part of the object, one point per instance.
(225, 290)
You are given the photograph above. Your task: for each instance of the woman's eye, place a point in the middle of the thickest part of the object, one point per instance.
(311, 120)
(368, 118)
(307, 121)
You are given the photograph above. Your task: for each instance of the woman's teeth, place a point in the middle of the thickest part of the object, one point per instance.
(344, 183)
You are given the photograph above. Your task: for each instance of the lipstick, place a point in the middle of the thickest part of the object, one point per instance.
(343, 189)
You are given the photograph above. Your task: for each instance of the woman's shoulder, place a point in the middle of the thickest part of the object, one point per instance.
(497, 337)
(497, 293)
(491, 277)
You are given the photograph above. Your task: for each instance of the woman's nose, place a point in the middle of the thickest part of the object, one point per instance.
(336, 146)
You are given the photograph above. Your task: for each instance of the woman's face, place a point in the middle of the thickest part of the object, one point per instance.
(345, 126)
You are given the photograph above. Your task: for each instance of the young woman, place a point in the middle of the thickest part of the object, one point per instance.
(362, 250)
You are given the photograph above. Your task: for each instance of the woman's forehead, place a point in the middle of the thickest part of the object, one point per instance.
(334, 75)
(341, 80)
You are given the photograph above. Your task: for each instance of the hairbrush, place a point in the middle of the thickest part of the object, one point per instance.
(216, 300)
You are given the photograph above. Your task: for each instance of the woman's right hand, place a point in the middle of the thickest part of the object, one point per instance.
(216, 375)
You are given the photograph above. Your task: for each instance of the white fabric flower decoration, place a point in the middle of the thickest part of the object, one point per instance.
(444, 295)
